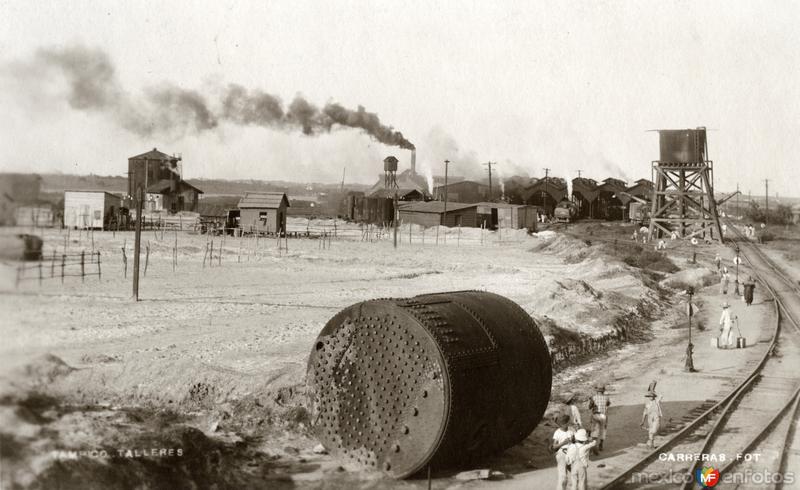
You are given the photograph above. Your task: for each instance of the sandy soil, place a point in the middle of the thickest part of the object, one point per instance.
(213, 357)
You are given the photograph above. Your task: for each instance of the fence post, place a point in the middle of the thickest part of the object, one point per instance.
(83, 276)
(211, 254)
(16, 280)
(53, 265)
(146, 257)
(40, 270)
(63, 263)
(98, 266)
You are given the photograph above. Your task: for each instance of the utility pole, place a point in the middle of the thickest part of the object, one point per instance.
(444, 214)
(395, 217)
(766, 196)
(137, 241)
(343, 173)
(738, 209)
(489, 164)
(579, 173)
(544, 200)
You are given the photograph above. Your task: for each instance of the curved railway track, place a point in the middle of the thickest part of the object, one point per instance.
(746, 419)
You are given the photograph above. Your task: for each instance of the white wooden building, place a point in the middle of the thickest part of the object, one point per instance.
(89, 209)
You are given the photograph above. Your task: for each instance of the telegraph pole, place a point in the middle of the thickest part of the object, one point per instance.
(137, 241)
(444, 215)
(738, 209)
(489, 165)
(579, 173)
(546, 174)
(766, 196)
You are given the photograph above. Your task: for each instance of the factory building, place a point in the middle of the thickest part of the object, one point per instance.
(432, 213)
(172, 196)
(263, 212)
(466, 191)
(546, 193)
(610, 201)
(584, 194)
(160, 175)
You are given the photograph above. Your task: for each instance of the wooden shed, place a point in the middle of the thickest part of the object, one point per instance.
(263, 212)
(90, 209)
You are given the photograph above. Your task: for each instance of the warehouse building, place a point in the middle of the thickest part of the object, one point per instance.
(432, 213)
(466, 191)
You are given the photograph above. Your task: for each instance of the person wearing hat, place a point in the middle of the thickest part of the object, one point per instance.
(573, 411)
(562, 438)
(652, 415)
(578, 459)
(725, 324)
(598, 405)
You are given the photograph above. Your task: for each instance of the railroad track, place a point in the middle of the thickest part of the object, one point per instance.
(759, 414)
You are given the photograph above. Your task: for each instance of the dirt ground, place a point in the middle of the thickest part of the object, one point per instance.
(211, 361)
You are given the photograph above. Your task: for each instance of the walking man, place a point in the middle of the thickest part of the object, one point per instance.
(562, 438)
(578, 459)
(718, 262)
(725, 324)
(652, 416)
(598, 405)
(749, 288)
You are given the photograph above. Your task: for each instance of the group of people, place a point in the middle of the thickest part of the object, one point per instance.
(748, 285)
(572, 444)
(750, 231)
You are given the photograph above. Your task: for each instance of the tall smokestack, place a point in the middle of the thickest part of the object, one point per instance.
(414, 162)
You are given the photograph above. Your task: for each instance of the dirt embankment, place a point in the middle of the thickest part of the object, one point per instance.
(238, 427)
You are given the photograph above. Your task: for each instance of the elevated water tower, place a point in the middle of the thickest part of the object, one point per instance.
(390, 172)
(683, 194)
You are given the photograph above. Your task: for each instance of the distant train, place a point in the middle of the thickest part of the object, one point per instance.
(639, 213)
(566, 211)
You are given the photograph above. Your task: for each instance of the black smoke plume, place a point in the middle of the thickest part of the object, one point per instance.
(93, 86)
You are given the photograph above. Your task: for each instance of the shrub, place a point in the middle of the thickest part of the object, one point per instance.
(652, 260)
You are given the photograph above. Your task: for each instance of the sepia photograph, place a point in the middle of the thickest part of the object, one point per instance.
(453, 245)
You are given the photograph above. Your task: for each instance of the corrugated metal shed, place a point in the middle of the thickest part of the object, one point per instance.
(263, 200)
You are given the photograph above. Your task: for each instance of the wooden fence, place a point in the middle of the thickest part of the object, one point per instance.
(60, 265)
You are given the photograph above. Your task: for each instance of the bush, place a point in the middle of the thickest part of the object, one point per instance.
(652, 260)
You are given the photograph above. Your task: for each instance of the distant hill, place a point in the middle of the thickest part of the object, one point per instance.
(58, 183)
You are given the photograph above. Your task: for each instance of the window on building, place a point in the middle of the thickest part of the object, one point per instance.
(262, 216)
(97, 214)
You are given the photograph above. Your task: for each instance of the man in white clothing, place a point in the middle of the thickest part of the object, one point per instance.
(725, 324)
(562, 438)
(578, 459)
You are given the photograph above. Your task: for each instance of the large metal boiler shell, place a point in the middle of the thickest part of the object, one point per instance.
(436, 380)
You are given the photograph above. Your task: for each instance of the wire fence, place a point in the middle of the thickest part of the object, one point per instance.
(57, 265)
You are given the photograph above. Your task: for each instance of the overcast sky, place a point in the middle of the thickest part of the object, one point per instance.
(564, 85)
